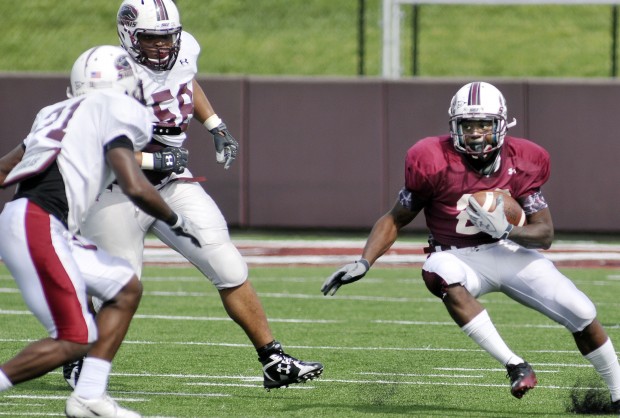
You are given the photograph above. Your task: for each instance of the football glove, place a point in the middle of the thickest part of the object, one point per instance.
(225, 145)
(493, 223)
(349, 273)
(186, 228)
(170, 159)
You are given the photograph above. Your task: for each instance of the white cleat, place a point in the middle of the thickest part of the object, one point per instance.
(104, 407)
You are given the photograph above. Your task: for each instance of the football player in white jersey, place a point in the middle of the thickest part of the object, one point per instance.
(75, 149)
(150, 31)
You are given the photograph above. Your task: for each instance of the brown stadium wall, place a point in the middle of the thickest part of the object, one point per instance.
(329, 153)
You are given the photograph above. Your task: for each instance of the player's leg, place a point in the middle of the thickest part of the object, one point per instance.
(220, 261)
(457, 284)
(35, 250)
(116, 225)
(540, 286)
(112, 280)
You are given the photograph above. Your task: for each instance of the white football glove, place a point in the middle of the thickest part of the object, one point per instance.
(186, 228)
(493, 223)
(349, 273)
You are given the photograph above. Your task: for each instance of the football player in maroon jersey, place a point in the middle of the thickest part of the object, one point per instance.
(472, 251)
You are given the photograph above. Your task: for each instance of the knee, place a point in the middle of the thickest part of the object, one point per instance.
(229, 270)
(586, 319)
(71, 351)
(129, 296)
(435, 283)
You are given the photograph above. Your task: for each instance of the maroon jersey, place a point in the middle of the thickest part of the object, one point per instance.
(438, 175)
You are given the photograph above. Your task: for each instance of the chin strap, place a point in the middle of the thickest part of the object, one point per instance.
(492, 168)
(511, 124)
(484, 169)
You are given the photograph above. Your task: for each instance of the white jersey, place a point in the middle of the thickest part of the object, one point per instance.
(81, 127)
(169, 94)
(117, 226)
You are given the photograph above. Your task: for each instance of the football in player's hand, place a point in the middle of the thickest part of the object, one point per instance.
(514, 212)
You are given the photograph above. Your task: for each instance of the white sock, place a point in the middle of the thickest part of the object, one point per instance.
(605, 361)
(93, 379)
(5, 383)
(483, 332)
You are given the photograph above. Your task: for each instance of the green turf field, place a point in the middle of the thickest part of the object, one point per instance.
(388, 347)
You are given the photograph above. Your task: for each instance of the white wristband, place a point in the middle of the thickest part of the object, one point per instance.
(178, 222)
(148, 161)
(212, 122)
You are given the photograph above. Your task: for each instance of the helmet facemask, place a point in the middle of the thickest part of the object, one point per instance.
(478, 125)
(158, 58)
(479, 140)
(150, 31)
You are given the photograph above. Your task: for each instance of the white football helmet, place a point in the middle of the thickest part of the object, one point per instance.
(136, 18)
(105, 67)
(484, 102)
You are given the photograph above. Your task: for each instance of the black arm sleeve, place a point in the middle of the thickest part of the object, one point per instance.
(121, 141)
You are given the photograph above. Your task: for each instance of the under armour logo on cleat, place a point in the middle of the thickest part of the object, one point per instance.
(286, 369)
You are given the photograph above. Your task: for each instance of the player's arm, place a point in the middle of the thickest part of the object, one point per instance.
(120, 157)
(537, 233)
(135, 185)
(382, 236)
(225, 145)
(202, 107)
(10, 160)
(385, 231)
(166, 160)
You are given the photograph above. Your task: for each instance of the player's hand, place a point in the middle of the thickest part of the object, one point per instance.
(493, 223)
(186, 228)
(170, 159)
(349, 273)
(225, 145)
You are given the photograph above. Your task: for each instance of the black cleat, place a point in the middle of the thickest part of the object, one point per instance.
(71, 372)
(280, 369)
(522, 379)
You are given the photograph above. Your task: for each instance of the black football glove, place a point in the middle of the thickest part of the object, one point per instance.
(186, 228)
(170, 159)
(349, 273)
(225, 145)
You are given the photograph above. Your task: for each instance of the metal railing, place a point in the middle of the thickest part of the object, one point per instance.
(391, 27)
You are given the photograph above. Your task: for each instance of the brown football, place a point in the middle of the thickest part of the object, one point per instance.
(512, 209)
